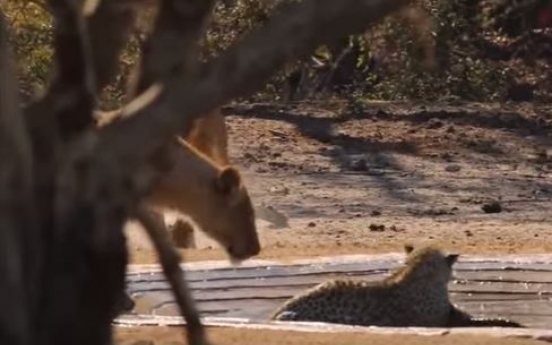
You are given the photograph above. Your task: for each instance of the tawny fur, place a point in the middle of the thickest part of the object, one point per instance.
(197, 180)
(416, 295)
(182, 234)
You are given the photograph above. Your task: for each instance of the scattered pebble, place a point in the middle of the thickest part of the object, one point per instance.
(311, 224)
(358, 165)
(377, 227)
(396, 228)
(434, 123)
(453, 168)
(280, 190)
(375, 213)
(492, 207)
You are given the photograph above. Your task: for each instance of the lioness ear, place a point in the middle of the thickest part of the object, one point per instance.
(408, 248)
(451, 259)
(228, 180)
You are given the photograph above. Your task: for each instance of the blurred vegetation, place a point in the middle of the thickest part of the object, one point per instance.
(478, 50)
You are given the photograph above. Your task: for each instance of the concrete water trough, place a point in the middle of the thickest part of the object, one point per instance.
(507, 286)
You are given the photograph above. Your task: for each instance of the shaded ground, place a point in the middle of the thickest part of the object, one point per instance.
(370, 181)
(332, 181)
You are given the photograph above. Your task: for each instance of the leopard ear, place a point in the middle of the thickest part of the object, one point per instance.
(451, 259)
(408, 248)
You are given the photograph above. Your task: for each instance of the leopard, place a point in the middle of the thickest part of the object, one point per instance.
(415, 295)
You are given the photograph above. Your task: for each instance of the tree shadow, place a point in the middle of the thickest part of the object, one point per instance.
(369, 156)
(371, 152)
(496, 119)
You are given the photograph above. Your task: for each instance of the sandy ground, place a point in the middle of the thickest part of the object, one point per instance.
(226, 336)
(334, 181)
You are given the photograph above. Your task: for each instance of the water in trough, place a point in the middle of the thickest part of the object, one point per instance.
(513, 287)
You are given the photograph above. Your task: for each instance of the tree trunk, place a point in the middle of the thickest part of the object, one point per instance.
(67, 188)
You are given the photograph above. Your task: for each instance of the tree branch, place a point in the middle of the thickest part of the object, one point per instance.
(172, 46)
(170, 261)
(74, 79)
(171, 107)
(86, 59)
(109, 27)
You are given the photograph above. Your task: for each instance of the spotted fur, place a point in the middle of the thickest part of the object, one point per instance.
(416, 295)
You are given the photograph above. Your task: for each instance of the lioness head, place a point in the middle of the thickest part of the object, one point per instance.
(234, 218)
(214, 197)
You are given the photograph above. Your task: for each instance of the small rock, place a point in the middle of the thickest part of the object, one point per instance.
(377, 227)
(250, 156)
(395, 228)
(468, 233)
(358, 165)
(492, 207)
(453, 168)
(375, 213)
(311, 224)
(446, 156)
(434, 123)
(281, 190)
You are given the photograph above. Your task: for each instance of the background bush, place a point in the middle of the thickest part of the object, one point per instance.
(478, 50)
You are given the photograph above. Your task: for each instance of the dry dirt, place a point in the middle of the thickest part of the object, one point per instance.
(333, 180)
(226, 336)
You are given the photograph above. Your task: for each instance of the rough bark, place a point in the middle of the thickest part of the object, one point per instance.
(17, 227)
(66, 189)
(172, 46)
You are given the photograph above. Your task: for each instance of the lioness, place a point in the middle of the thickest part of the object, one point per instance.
(196, 180)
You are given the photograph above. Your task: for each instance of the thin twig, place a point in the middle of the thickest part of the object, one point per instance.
(170, 262)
